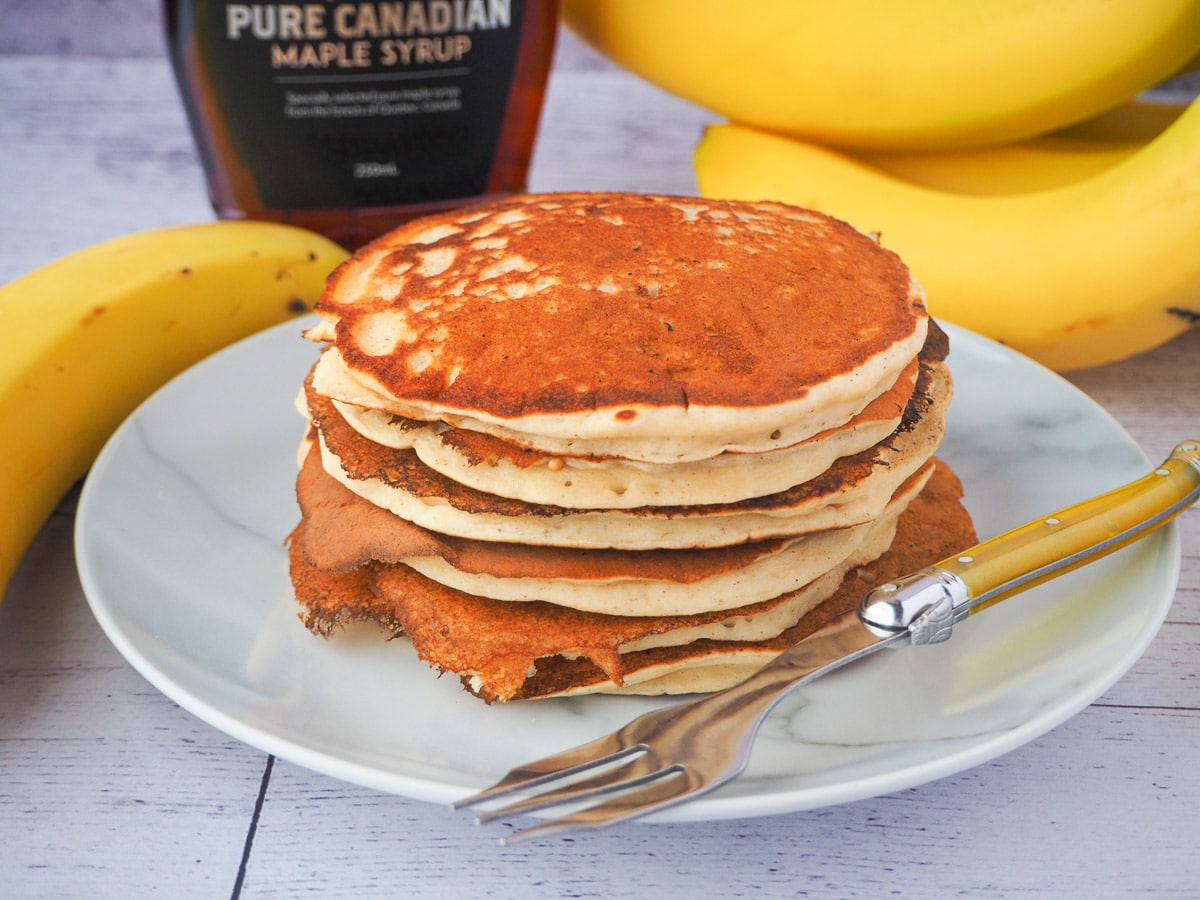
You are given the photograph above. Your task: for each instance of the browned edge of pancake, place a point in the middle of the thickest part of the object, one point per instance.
(478, 448)
(521, 646)
(362, 459)
(935, 525)
(343, 531)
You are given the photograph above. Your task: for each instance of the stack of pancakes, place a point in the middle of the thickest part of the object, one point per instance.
(570, 443)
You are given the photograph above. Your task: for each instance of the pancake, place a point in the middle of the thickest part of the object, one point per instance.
(344, 531)
(854, 490)
(657, 329)
(579, 443)
(936, 525)
(504, 651)
(498, 467)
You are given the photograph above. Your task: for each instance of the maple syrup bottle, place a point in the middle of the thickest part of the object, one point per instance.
(350, 118)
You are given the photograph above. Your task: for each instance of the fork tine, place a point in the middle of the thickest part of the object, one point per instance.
(630, 774)
(650, 797)
(608, 748)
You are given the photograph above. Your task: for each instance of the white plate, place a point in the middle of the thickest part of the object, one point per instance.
(180, 536)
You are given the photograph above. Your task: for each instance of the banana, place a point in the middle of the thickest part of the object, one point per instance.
(91, 335)
(1074, 276)
(1047, 161)
(917, 75)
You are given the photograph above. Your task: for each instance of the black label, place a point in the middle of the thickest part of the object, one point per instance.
(335, 104)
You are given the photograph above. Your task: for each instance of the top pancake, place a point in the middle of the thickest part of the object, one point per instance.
(648, 327)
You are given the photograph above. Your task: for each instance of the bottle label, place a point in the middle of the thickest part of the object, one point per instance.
(336, 104)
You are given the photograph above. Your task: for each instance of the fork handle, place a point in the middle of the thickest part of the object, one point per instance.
(926, 604)
(922, 607)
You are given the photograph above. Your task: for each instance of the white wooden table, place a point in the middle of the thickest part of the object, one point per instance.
(107, 789)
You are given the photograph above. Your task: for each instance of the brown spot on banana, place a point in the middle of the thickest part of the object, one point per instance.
(1191, 316)
(1094, 322)
(93, 314)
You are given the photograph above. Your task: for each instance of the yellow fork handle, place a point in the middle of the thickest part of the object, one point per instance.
(924, 605)
(1057, 543)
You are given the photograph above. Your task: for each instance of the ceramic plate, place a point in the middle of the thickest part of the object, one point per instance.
(180, 535)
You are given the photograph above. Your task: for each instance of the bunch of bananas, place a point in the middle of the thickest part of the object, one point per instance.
(87, 338)
(998, 147)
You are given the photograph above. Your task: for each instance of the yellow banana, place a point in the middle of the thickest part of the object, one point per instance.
(1047, 161)
(919, 75)
(1074, 276)
(89, 336)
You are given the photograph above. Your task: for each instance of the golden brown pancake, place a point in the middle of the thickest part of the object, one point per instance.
(648, 327)
(497, 466)
(578, 443)
(853, 490)
(935, 526)
(343, 531)
(506, 651)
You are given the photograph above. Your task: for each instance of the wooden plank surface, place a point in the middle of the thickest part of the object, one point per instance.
(107, 789)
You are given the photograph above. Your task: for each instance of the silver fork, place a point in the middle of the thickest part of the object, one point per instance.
(673, 754)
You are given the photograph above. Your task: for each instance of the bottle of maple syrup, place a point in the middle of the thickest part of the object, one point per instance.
(350, 118)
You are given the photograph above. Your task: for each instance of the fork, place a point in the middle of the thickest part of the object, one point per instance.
(676, 753)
